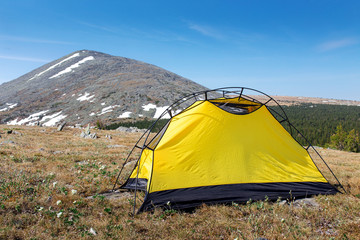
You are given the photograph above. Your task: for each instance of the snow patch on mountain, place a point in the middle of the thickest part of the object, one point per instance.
(125, 115)
(85, 97)
(53, 66)
(9, 106)
(72, 67)
(30, 120)
(33, 119)
(148, 107)
(53, 119)
(158, 110)
(108, 109)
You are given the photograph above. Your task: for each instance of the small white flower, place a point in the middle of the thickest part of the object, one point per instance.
(58, 202)
(73, 191)
(92, 231)
(102, 167)
(282, 220)
(79, 171)
(74, 202)
(40, 209)
(59, 214)
(54, 184)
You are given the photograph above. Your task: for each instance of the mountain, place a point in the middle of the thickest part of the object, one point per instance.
(86, 86)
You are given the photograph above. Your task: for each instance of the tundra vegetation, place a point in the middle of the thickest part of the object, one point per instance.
(51, 184)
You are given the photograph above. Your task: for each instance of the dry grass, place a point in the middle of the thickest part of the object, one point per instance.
(44, 166)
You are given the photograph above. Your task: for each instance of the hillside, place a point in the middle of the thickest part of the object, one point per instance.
(292, 100)
(51, 184)
(86, 86)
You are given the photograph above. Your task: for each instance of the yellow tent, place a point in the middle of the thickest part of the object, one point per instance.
(223, 150)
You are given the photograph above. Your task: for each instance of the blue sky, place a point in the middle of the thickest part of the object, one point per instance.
(293, 48)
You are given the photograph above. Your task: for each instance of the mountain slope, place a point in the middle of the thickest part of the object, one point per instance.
(85, 86)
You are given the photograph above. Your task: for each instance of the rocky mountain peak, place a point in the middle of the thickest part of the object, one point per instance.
(86, 86)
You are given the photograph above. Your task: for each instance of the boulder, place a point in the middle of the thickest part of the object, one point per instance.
(61, 126)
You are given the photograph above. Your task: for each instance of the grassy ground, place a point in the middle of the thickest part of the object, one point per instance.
(46, 177)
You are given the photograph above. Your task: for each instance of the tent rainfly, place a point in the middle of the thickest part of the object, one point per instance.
(222, 146)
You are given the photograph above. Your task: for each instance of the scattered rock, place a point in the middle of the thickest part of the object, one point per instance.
(108, 136)
(7, 142)
(306, 202)
(77, 125)
(57, 152)
(111, 195)
(87, 129)
(93, 136)
(83, 162)
(87, 135)
(130, 129)
(61, 126)
(92, 231)
(17, 133)
(115, 146)
(129, 163)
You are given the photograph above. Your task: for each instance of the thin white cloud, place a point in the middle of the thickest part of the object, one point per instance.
(335, 44)
(206, 31)
(20, 58)
(162, 36)
(138, 33)
(98, 27)
(32, 40)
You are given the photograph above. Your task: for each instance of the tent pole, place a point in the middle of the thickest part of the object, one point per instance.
(329, 168)
(242, 89)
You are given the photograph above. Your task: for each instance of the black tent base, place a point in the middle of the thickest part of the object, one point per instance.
(189, 198)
